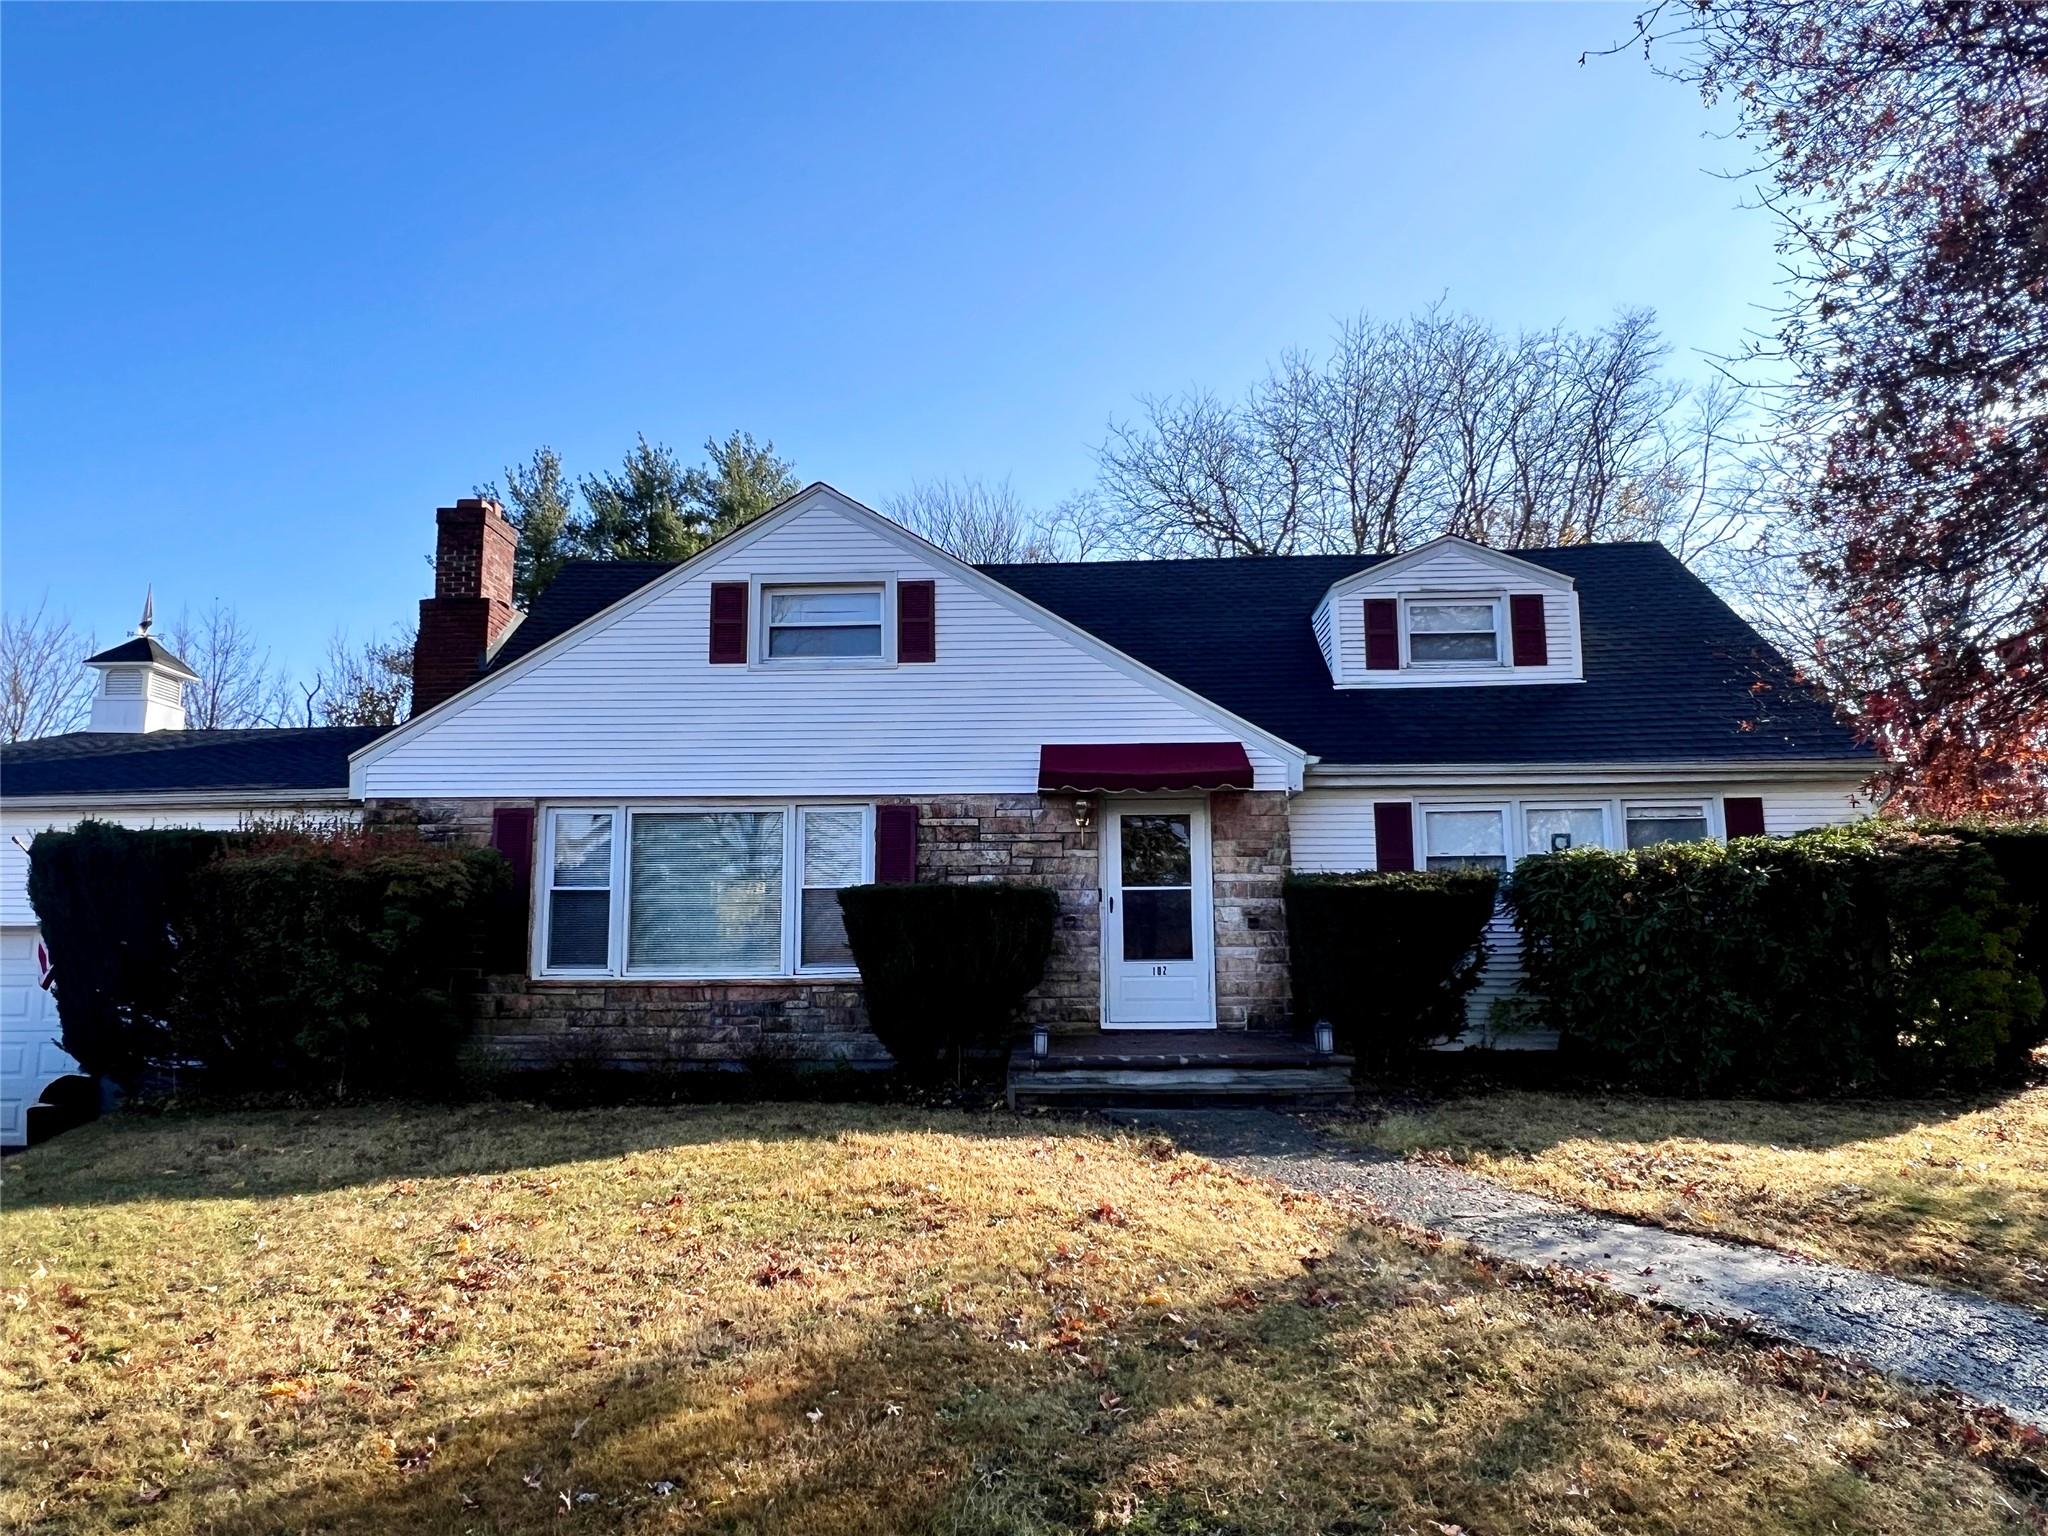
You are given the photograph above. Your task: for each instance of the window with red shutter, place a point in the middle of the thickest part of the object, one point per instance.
(1382, 634)
(729, 622)
(917, 621)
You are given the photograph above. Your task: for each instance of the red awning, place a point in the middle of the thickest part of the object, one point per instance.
(1153, 765)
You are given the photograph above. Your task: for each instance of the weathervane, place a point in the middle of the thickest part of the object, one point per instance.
(148, 609)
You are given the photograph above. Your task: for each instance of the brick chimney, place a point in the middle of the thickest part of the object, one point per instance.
(472, 601)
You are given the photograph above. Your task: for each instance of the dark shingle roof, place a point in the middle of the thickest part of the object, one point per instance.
(88, 763)
(140, 648)
(1672, 673)
(580, 589)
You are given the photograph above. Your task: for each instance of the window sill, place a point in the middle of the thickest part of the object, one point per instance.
(605, 979)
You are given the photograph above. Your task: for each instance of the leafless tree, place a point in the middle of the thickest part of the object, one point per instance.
(1431, 424)
(367, 684)
(986, 523)
(237, 685)
(44, 686)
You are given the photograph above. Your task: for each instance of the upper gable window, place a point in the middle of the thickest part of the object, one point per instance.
(1453, 634)
(822, 623)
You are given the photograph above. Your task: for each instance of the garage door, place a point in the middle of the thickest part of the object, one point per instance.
(30, 1056)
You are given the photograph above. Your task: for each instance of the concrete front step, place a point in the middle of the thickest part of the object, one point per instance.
(1180, 1067)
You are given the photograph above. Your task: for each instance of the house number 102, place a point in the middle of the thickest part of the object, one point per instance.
(1158, 970)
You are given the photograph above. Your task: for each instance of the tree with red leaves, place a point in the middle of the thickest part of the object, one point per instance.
(1905, 155)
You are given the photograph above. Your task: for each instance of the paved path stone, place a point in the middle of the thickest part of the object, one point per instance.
(1993, 1351)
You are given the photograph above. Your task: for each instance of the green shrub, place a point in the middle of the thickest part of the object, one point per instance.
(1387, 958)
(1844, 958)
(332, 965)
(946, 968)
(105, 897)
(2019, 851)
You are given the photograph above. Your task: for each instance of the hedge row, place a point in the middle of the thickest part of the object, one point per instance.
(1851, 958)
(314, 962)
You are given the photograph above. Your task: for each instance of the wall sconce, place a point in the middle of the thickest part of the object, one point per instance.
(1084, 812)
(1041, 1041)
(1326, 1038)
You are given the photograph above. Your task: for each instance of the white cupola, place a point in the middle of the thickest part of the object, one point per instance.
(141, 685)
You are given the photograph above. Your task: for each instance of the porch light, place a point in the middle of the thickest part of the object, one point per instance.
(1084, 812)
(1326, 1038)
(1041, 1040)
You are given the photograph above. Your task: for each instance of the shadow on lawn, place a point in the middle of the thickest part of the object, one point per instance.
(265, 1154)
(1159, 1437)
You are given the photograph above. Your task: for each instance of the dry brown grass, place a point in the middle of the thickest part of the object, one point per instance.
(805, 1319)
(1939, 1190)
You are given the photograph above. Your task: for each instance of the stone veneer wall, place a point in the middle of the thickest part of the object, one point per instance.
(1030, 838)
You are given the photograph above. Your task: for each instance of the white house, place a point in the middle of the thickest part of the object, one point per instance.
(686, 761)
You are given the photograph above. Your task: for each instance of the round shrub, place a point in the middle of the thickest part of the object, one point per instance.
(946, 968)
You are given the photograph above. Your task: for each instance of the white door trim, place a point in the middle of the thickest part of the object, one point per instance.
(1202, 1010)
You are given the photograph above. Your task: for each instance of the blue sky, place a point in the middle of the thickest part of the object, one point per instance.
(279, 280)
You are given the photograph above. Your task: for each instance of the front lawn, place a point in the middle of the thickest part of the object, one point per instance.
(1936, 1190)
(833, 1319)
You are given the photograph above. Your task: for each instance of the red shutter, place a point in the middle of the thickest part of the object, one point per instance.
(729, 622)
(512, 836)
(1382, 634)
(917, 621)
(1744, 815)
(1393, 831)
(895, 844)
(1525, 621)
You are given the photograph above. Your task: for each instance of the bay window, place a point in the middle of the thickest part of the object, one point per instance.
(701, 891)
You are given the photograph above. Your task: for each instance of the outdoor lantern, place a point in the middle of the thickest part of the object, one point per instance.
(1041, 1040)
(1084, 812)
(1326, 1037)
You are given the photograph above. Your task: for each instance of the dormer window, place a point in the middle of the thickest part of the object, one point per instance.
(1453, 632)
(822, 623)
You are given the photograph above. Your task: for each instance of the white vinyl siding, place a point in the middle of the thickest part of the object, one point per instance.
(1331, 831)
(631, 706)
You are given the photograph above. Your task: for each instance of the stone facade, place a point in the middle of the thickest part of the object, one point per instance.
(1024, 838)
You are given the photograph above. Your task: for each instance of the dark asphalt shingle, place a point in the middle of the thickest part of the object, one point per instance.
(88, 763)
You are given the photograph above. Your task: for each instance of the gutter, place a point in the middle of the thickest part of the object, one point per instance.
(1637, 771)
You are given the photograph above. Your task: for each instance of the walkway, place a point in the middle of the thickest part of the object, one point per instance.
(1993, 1351)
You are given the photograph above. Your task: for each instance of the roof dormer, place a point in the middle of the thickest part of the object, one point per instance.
(1450, 614)
(141, 685)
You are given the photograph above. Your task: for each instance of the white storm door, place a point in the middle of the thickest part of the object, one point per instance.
(1158, 936)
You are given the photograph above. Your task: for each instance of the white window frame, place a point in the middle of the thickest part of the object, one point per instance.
(1604, 808)
(1505, 810)
(544, 876)
(759, 589)
(622, 813)
(1709, 809)
(1497, 601)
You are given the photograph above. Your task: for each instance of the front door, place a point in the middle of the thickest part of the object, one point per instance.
(1158, 957)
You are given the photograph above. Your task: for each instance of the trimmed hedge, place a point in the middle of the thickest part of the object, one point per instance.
(274, 960)
(1388, 958)
(1861, 957)
(2019, 851)
(105, 897)
(946, 968)
(333, 966)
